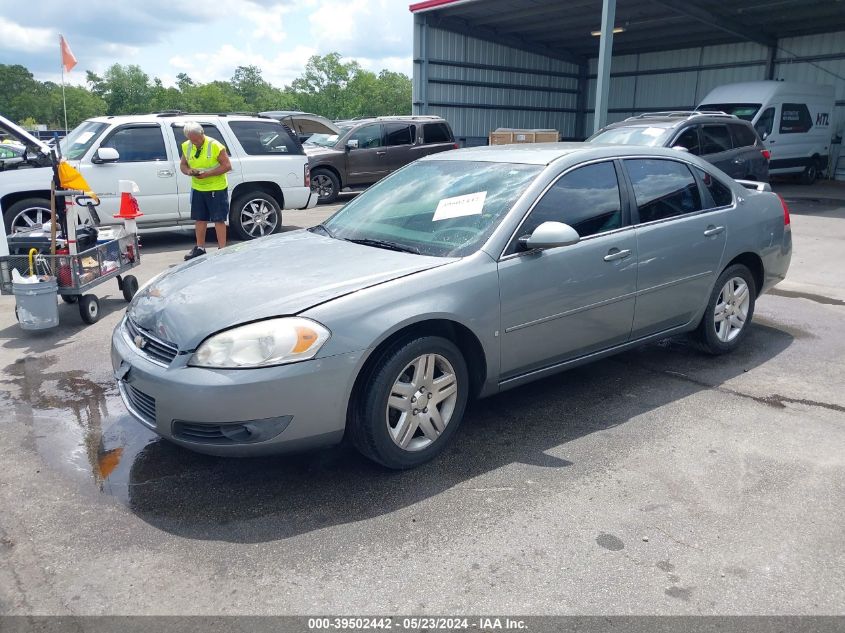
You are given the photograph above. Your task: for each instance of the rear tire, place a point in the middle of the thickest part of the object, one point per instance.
(729, 311)
(89, 309)
(411, 403)
(811, 172)
(326, 185)
(255, 214)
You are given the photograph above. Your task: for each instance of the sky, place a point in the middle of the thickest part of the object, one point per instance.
(206, 40)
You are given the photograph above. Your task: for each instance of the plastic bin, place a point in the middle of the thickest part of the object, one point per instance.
(37, 308)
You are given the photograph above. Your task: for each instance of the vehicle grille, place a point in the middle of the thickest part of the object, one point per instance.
(154, 348)
(141, 403)
(204, 433)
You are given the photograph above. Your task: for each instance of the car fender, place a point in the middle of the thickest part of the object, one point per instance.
(465, 292)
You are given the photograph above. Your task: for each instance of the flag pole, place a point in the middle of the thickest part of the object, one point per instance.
(64, 101)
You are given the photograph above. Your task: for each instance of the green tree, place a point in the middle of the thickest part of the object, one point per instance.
(125, 89)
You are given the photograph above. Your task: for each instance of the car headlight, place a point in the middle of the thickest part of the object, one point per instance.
(261, 344)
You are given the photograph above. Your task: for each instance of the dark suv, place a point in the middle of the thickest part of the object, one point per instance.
(367, 150)
(730, 143)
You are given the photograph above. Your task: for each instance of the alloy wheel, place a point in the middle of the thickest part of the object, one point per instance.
(421, 402)
(323, 185)
(30, 218)
(258, 218)
(731, 310)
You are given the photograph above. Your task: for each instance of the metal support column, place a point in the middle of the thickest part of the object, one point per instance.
(580, 131)
(608, 15)
(770, 62)
(424, 63)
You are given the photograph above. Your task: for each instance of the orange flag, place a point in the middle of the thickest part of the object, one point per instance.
(68, 59)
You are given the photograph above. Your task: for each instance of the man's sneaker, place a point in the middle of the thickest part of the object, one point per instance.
(196, 251)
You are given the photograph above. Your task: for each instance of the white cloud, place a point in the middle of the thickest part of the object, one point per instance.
(17, 37)
(362, 28)
(279, 69)
(268, 21)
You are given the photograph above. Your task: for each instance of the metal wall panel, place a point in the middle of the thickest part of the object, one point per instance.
(513, 98)
(689, 76)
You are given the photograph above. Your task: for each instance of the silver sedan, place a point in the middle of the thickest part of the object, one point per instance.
(459, 276)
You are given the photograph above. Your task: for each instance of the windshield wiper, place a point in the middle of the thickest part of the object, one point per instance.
(323, 228)
(392, 246)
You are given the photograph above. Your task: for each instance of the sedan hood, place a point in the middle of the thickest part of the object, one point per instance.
(273, 276)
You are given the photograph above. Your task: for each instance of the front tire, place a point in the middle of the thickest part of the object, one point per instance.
(255, 214)
(411, 404)
(326, 185)
(729, 311)
(27, 214)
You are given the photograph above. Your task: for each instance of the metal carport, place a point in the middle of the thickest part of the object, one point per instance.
(534, 63)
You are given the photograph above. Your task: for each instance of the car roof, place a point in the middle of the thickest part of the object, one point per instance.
(547, 153)
(671, 120)
(178, 117)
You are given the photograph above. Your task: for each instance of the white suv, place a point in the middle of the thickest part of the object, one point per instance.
(269, 171)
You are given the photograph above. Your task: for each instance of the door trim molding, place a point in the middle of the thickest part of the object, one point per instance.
(560, 315)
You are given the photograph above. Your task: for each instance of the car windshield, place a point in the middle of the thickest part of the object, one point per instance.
(75, 144)
(326, 140)
(632, 135)
(439, 208)
(742, 110)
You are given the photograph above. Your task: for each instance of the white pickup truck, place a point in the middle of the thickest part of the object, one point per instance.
(269, 170)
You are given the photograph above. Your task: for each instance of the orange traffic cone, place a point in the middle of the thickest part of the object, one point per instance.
(129, 210)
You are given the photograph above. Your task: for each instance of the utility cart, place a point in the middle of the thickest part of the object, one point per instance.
(76, 275)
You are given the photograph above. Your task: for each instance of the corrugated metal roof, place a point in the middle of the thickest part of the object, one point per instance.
(657, 25)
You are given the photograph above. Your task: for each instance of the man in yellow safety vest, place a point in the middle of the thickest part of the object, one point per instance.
(205, 159)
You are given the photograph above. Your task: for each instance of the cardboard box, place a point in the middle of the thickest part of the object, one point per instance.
(507, 136)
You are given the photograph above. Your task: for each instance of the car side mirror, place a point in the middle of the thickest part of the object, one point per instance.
(550, 235)
(352, 144)
(681, 148)
(106, 155)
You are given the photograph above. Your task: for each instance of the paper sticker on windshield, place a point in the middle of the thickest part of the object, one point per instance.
(459, 206)
(84, 138)
(653, 131)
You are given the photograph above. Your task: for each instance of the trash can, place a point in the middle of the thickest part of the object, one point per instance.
(36, 305)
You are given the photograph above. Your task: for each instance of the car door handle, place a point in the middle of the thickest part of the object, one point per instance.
(614, 253)
(380, 153)
(164, 173)
(713, 230)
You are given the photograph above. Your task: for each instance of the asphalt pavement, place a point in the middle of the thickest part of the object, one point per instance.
(660, 481)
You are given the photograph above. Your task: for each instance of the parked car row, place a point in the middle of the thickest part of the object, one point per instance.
(270, 170)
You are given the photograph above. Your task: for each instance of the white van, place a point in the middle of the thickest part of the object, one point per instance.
(794, 120)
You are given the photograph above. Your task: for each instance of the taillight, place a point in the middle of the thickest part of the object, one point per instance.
(455, 145)
(307, 175)
(785, 210)
(766, 154)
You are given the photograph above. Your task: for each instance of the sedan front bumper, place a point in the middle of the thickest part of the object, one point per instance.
(296, 406)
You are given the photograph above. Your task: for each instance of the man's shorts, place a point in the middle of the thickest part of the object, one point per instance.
(210, 206)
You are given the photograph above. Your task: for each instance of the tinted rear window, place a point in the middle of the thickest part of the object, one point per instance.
(663, 188)
(721, 195)
(743, 135)
(210, 130)
(437, 133)
(400, 133)
(264, 138)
